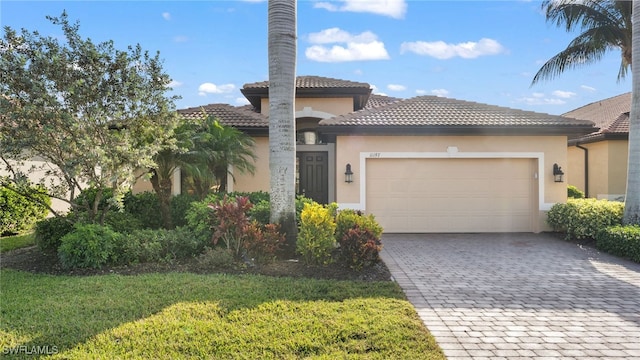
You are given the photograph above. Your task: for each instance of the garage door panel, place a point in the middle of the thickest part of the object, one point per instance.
(451, 195)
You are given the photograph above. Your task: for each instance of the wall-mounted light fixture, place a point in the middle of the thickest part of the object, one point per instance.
(557, 173)
(348, 174)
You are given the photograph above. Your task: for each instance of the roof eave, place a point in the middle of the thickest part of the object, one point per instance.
(454, 130)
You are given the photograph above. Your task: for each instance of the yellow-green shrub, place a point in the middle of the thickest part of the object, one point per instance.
(316, 238)
(583, 218)
(621, 241)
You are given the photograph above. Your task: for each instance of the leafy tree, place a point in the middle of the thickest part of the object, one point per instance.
(93, 113)
(282, 129)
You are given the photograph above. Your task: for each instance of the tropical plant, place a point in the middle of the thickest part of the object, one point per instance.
(603, 26)
(282, 143)
(216, 149)
(92, 113)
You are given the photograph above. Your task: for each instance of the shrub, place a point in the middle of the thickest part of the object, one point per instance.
(261, 212)
(348, 219)
(316, 238)
(620, 240)
(87, 197)
(360, 247)
(122, 222)
(301, 201)
(232, 225)
(154, 245)
(264, 242)
(583, 218)
(144, 207)
(19, 213)
(179, 206)
(88, 246)
(217, 258)
(50, 231)
(574, 193)
(199, 218)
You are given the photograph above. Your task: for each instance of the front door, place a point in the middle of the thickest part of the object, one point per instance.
(313, 178)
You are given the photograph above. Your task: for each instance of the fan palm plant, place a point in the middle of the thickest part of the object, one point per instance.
(603, 26)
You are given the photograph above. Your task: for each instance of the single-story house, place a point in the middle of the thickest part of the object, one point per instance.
(424, 164)
(598, 160)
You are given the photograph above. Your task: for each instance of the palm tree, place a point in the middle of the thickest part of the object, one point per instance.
(217, 149)
(604, 26)
(632, 200)
(282, 129)
(172, 157)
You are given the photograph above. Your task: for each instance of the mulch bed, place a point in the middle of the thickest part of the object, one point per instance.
(31, 259)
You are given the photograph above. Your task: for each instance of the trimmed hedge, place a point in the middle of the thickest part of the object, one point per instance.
(620, 240)
(574, 192)
(583, 218)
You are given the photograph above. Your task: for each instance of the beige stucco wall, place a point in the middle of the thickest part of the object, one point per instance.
(618, 160)
(333, 106)
(607, 168)
(261, 178)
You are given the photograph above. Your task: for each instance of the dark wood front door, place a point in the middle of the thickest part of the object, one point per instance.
(313, 178)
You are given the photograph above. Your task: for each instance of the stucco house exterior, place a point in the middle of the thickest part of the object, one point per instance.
(598, 160)
(424, 164)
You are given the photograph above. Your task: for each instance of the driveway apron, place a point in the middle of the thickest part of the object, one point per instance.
(490, 296)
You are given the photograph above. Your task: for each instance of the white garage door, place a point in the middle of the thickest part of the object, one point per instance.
(452, 195)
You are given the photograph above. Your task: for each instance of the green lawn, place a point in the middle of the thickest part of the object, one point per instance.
(183, 315)
(15, 242)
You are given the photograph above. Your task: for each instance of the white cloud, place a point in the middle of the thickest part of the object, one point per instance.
(180, 38)
(540, 99)
(421, 92)
(166, 16)
(588, 88)
(440, 92)
(392, 8)
(359, 47)
(174, 84)
(337, 35)
(563, 94)
(396, 87)
(375, 90)
(442, 50)
(210, 88)
(242, 101)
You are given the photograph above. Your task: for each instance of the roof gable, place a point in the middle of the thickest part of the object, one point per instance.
(312, 86)
(239, 117)
(611, 115)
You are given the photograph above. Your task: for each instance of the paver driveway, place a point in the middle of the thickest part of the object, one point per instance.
(518, 295)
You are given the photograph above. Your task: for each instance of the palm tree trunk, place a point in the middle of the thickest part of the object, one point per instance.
(162, 187)
(282, 129)
(632, 200)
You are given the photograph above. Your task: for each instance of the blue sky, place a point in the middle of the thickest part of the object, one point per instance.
(483, 51)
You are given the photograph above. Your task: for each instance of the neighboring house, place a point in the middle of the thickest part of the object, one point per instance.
(425, 164)
(598, 161)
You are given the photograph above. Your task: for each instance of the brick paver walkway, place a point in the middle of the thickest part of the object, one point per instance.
(519, 295)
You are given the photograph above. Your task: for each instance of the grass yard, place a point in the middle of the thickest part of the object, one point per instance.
(15, 242)
(216, 316)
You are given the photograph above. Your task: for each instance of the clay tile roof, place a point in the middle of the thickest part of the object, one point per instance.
(376, 100)
(611, 115)
(446, 112)
(313, 82)
(603, 112)
(241, 117)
